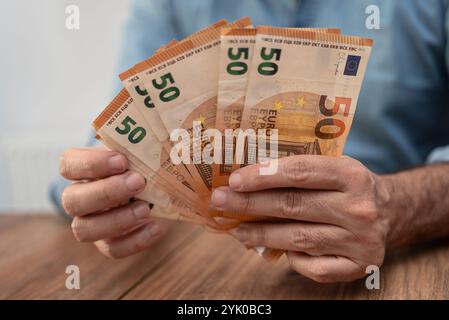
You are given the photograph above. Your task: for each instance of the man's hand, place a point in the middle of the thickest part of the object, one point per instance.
(98, 201)
(338, 212)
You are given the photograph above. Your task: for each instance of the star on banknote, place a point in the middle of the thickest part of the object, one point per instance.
(201, 119)
(278, 106)
(301, 102)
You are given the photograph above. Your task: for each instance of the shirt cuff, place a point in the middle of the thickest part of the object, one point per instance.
(440, 154)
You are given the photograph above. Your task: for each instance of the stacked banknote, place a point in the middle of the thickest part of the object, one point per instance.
(194, 111)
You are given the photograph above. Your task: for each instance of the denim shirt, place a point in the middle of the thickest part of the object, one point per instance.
(402, 116)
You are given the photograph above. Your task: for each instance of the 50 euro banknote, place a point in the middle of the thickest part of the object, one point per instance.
(306, 85)
(236, 52)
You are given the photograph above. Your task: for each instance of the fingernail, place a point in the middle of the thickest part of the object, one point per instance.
(241, 235)
(135, 181)
(235, 181)
(154, 230)
(237, 232)
(117, 162)
(234, 232)
(148, 232)
(141, 212)
(218, 198)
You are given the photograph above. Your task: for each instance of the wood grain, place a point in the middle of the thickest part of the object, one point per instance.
(36, 250)
(190, 264)
(233, 272)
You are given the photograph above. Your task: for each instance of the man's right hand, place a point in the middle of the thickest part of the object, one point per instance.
(98, 201)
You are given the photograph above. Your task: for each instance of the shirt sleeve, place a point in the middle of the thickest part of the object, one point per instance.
(441, 154)
(150, 24)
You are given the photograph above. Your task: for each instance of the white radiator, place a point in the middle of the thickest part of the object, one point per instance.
(28, 166)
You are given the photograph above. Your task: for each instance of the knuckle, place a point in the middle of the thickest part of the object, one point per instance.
(350, 163)
(71, 166)
(351, 169)
(243, 234)
(65, 201)
(64, 168)
(366, 175)
(140, 244)
(320, 273)
(359, 173)
(106, 193)
(68, 201)
(291, 260)
(296, 170)
(143, 240)
(115, 219)
(378, 258)
(359, 273)
(375, 248)
(353, 165)
(114, 254)
(290, 204)
(308, 241)
(123, 219)
(257, 235)
(299, 240)
(108, 250)
(90, 167)
(374, 239)
(247, 201)
(78, 229)
(366, 212)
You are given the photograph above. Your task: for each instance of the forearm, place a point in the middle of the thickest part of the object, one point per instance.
(418, 202)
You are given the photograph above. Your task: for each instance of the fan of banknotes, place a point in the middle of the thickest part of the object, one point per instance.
(202, 107)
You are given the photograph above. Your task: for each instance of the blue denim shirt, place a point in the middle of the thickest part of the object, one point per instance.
(402, 117)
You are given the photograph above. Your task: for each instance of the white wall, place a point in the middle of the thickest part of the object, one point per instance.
(54, 82)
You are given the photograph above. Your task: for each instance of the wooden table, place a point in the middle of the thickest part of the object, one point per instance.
(189, 264)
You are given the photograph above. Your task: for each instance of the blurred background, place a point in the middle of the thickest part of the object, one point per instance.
(45, 107)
